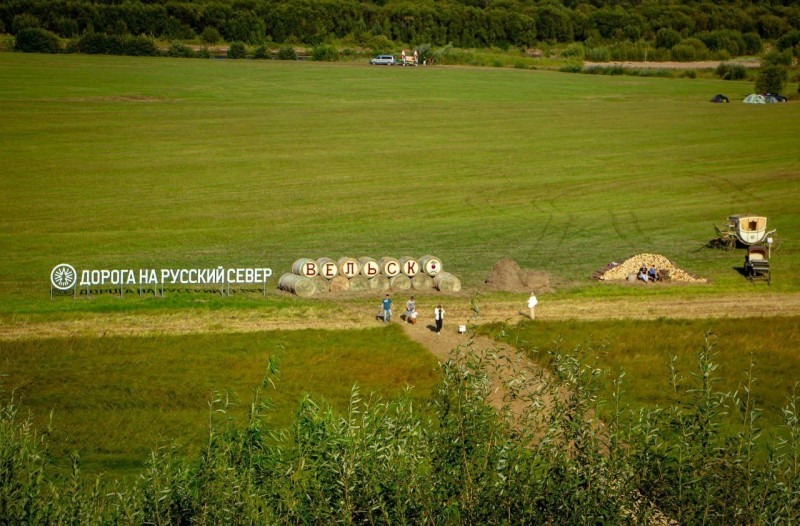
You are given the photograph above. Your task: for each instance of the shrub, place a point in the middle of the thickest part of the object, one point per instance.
(574, 50)
(237, 50)
(203, 52)
(752, 43)
(571, 68)
(287, 53)
(771, 79)
(667, 38)
(731, 71)
(598, 54)
(179, 50)
(36, 40)
(778, 58)
(261, 52)
(100, 44)
(325, 54)
(24, 21)
(210, 35)
(684, 53)
(140, 46)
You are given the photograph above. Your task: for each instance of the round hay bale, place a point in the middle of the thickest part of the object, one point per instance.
(359, 283)
(348, 267)
(297, 284)
(369, 267)
(340, 284)
(321, 284)
(389, 266)
(400, 282)
(446, 282)
(327, 268)
(305, 267)
(409, 266)
(422, 281)
(379, 283)
(430, 265)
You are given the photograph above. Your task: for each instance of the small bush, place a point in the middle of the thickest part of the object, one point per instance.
(574, 50)
(179, 50)
(210, 36)
(684, 53)
(237, 50)
(598, 54)
(689, 74)
(203, 52)
(24, 21)
(36, 40)
(140, 46)
(778, 58)
(731, 71)
(571, 68)
(771, 79)
(261, 53)
(325, 54)
(667, 38)
(287, 53)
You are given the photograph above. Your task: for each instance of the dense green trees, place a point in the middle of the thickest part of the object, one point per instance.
(735, 27)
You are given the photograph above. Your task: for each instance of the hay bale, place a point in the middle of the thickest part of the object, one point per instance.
(348, 267)
(305, 267)
(422, 281)
(340, 284)
(409, 266)
(446, 282)
(379, 283)
(389, 266)
(327, 268)
(400, 282)
(297, 284)
(369, 267)
(321, 284)
(430, 265)
(359, 283)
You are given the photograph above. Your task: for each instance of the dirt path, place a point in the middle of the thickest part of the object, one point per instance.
(355, 315)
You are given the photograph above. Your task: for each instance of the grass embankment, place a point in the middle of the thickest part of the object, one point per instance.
(644, 350)
(115, 399)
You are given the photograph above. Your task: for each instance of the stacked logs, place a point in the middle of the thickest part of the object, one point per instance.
(310, 276)
(623, 271)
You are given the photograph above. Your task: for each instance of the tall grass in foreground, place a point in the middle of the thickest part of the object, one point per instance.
(382, 463)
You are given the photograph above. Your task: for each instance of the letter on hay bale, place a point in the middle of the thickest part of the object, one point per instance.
(400, 282)
(369, 267)
(446, 282)
(297, 284)
(390, 267)
(305, 267)
(348, 267)
(359, 283)
(379, 283)
(430, 265)
(327, 268)
(409, 266)
(321, 284)
(422, 281)
(340, 284)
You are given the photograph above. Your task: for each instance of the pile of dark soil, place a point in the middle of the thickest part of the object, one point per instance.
(506, 275)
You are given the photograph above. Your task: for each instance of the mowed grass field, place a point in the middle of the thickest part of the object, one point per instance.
(112, 162)
(118, 163)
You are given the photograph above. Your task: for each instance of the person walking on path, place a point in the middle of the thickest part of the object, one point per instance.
(438, 317)
(387, 309)
(532, 302)
(411, 311)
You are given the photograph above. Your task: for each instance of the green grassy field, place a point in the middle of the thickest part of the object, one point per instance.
(113, 162)
(644, 351)
(114, 399)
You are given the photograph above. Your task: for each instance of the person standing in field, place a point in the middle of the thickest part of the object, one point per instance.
(438, 317)
(532, 303)
(387, 309)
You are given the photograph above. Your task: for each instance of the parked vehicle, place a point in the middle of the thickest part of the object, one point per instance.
(383, 60)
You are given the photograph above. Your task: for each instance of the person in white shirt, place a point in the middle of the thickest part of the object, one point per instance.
(532, 302)
(438, 317)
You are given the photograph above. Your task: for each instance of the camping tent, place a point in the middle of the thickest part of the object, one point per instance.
(754, 99)
(720, 98)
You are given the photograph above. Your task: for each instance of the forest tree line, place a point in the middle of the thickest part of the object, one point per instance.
(737, 27)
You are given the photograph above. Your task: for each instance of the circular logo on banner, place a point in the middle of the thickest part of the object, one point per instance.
(63, 276)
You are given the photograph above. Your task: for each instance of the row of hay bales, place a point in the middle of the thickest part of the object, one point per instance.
(312, 276)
